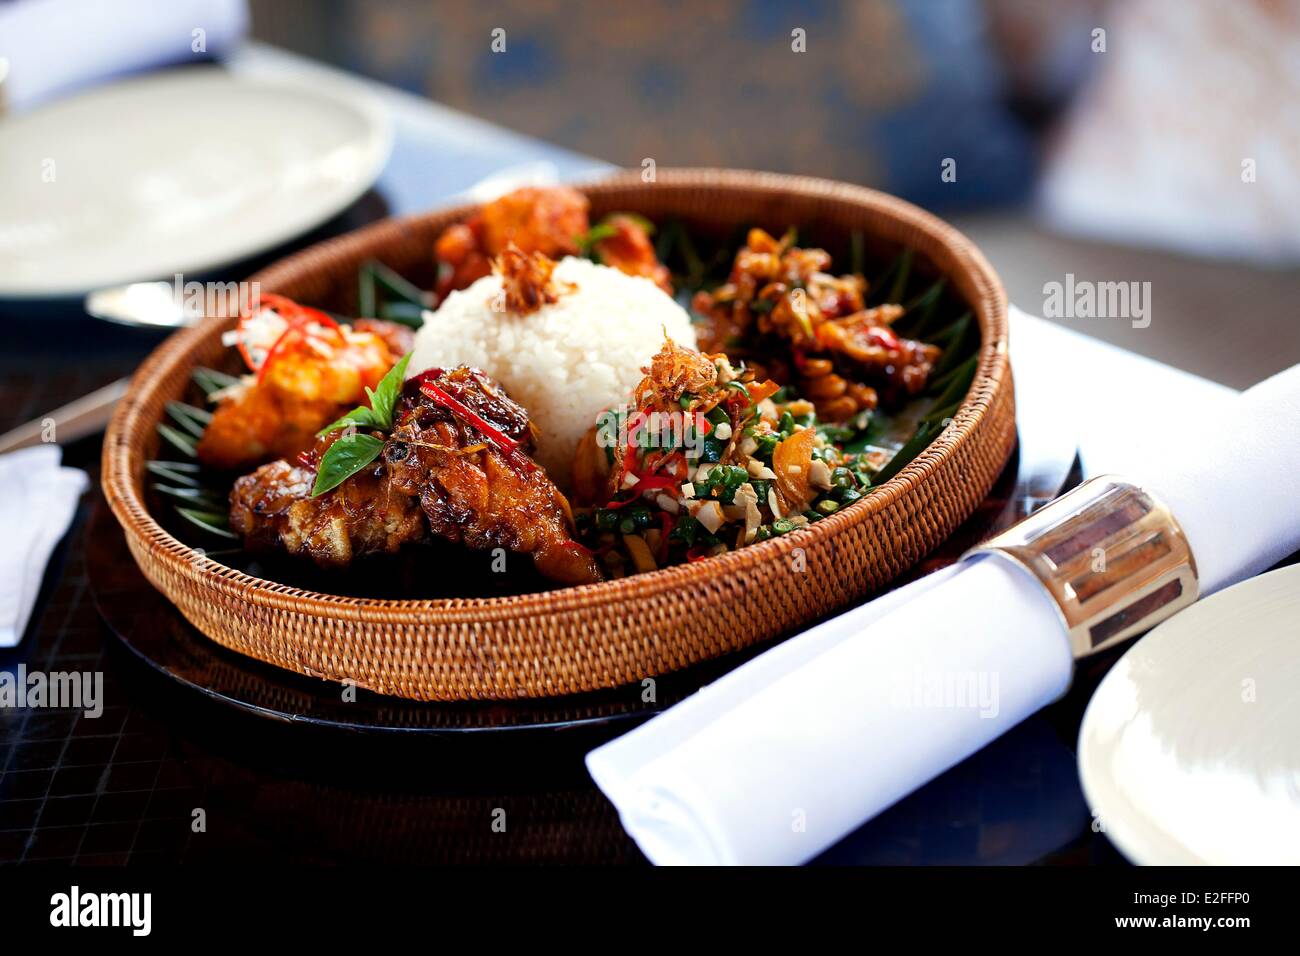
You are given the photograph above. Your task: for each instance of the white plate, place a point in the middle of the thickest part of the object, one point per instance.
(183, 171)
(1190, 748)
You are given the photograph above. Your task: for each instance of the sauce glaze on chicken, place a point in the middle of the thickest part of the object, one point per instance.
(437, 476)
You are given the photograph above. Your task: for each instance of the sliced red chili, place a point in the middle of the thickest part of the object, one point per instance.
(319, 317)
(630, 459)
(614, 503)
(504, 442)
(283, 306)
(295, 316)
(274, 350)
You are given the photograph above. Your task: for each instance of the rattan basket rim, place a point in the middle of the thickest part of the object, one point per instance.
(122, 461)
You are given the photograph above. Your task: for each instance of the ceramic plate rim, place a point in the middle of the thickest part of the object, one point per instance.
(367, 108)
(1129, 838)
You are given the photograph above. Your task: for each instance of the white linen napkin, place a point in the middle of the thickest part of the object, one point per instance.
(36, 508)
(56, 46)
(790, 752)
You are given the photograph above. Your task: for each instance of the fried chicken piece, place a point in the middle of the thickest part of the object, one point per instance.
(461, 258)
(547, 220)
(901, 365)
(475, 491)
(629, 250)
(438, 475)
(254, 424)
(843, 352)
(399, 338)
(304, 389)
(273, 508)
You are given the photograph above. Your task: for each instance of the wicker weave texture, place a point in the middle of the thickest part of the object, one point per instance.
(602, 635)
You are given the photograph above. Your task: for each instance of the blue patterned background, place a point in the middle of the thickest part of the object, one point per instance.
(886, 90)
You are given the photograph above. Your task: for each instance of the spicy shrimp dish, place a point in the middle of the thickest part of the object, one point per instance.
(594, 398)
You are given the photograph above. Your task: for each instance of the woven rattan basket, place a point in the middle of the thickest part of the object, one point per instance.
(602, 635)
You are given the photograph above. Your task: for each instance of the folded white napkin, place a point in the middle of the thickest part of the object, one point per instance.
(790, 752)
(56, 46)
(39, 500)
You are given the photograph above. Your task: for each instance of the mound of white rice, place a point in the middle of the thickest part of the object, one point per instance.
(566, 362)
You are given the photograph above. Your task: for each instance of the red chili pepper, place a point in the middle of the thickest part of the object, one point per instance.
(697, 553)
(296, 318)
(277, 303)
(289, 310)
(274, 350)
(676, 465)
(630, 459)
(319, 317)
(504, 442)
(613, 503)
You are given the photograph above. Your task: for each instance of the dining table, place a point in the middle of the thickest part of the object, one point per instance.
(168, 775)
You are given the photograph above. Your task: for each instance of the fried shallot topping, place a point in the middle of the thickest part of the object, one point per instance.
(673, 372)
(526, 280)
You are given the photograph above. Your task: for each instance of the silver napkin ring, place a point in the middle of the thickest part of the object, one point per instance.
(1112, 557)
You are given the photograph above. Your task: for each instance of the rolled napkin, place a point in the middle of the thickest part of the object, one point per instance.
(795, 749)
(57, 46)
(36, 509)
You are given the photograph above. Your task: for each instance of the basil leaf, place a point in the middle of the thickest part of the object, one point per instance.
(593, 235)
(384, 398)
(359, 417)
(345, 458)
(382, 402)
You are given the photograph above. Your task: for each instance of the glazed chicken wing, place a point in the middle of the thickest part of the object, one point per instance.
(273, 508)
(475, 480)
(307, 384)
(456, 468)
